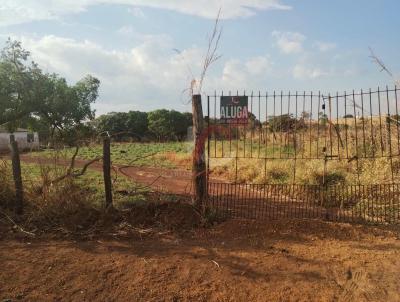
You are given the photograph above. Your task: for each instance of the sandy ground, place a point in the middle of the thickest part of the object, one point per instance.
(291, 260)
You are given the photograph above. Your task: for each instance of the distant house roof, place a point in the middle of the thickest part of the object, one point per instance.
(3, 130)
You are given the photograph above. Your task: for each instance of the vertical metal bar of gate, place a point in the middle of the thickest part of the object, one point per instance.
(208, 149)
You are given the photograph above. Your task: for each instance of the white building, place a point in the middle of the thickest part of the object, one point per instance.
(26, 140)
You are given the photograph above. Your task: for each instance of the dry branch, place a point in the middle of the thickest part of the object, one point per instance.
(16, 225)
(382, 65)
(70, 174)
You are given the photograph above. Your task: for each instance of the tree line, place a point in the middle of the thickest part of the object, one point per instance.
(160, 125)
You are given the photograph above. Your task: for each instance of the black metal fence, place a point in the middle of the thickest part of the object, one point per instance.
(347, 203)
(310, 126)
(350, 130)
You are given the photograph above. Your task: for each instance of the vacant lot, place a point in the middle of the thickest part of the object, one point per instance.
(233, 261)
(251, 167)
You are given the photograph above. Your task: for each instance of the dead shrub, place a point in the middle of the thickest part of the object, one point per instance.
(278, 175)
(72, 207)
(331, 178)
(68, 205)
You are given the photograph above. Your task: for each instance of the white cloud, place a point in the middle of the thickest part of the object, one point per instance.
(233, 75)
(126, 30)
(259, 65)
(23, 11)
(324, 46)
(302, 71)
(136, 11)
(289, 42)
(145, 75)
(246, 74)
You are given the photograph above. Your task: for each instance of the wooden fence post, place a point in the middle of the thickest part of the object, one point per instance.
(16, 168)
(107, 172)
(199, 163)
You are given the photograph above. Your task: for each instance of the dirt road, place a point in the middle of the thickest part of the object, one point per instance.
(174, 181)
(235, 261)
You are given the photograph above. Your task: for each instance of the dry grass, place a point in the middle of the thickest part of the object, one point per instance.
(68, 203)
(306, 171)
(180, 160)
(361, 150)
(368, 138)
(72, 204)
(7, 194)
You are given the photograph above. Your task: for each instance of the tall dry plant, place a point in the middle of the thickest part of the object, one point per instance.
(378, 61)
(210, 57)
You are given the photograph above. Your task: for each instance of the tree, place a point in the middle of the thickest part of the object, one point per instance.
(137, 123)
(122, 125)
(180, 123)
(67, 107)
(160, 124)
(253, 121)
(21, 85)
(165, 124)
(30, 97)
(282, 123)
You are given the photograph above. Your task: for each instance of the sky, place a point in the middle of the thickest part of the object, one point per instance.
(146, 52)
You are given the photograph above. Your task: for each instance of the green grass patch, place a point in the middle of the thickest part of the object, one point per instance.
(125, 191)
(134, 154)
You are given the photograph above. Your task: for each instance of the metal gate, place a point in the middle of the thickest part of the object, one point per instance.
(304, 155)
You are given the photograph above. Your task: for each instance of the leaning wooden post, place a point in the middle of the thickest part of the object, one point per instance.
(107, 171)
(199, 162)
(16, 168)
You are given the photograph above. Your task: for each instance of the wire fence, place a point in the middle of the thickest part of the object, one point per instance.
(346, 203)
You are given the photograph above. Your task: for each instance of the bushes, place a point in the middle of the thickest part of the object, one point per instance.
(331, 178)
(68, 204)
(169, 124)
(278, 175)
(312, 172)
(159, 124)
(74, 206)
(285, 123)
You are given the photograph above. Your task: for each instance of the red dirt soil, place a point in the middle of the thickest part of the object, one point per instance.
(289, 260)
(294, 260)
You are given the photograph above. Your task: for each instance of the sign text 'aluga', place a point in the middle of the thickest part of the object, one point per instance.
(234, 109)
